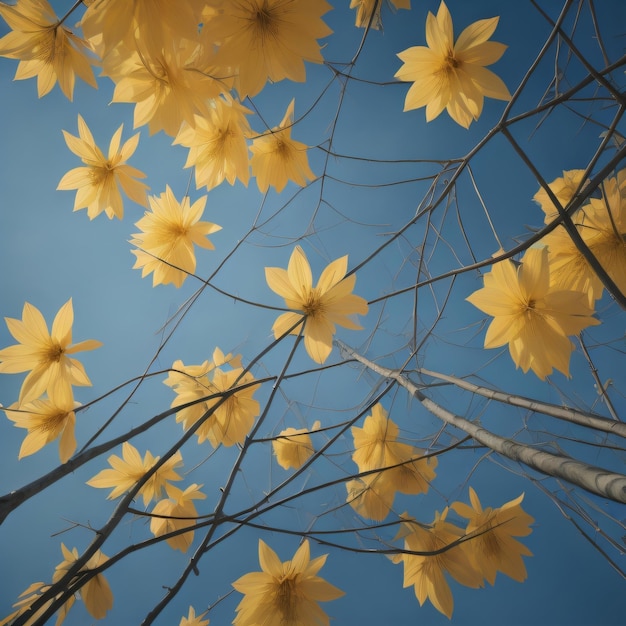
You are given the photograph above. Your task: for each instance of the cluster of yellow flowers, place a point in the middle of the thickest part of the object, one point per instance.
(46, 402)
(485, 547)
(186, 66)
(552, 292)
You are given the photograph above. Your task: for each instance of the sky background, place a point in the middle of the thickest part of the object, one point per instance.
(49, 254)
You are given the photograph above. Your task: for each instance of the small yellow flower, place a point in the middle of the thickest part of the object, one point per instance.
(46, 419)
(449, 75)
(217, 144)
(368, 11)
(320, 308)
(602, 226)
(178, 505)
(98, 183)
(95, 593)
(125, 472)
(372, 495)
(169, 231)
(376, 447)
(232, 420)
(277, 158)
(293, 447)
(192, 619)
(267, 39)
(286, 593)
(493, 549)
(44, 354)
(533, 316)
(46, 49)
(426, 573)
(563, 188)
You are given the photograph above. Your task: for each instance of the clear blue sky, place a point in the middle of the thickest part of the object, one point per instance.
(48, 254)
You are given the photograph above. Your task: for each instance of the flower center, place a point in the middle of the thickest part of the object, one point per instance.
(286, 600)
(313, 305)
(264, 21)
(54, 353)
(452, 62)
(52, 423)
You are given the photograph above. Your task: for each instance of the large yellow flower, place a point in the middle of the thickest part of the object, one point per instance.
(169, 232)
(426, 572)
(493, 549)
(125, 472)
(148, 25)
(449, 75)
(267, 39)
(368, 11)
(46, 419)
(277, 158)
(532, 315)
(98, 183)
(46, 49)
(320, 308)
(178, 506)
(284, 594)
(43, 354)
(167, 89)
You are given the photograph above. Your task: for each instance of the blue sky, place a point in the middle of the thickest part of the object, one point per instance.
(49, 254)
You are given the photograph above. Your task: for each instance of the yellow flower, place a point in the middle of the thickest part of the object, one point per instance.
(602, 226)
(192, 619)
(178, 505)
(46, 419)
(293, 447)
(284, 594)
(365, 9)
(376, 447)
(46, 49)
(95, 593)
(127, 471)
(169, 232)
(167, 89)
(217, 144)
(531, 315)
(145, 24)
(98, 183)
(277, 158)
(449, 75)
(493, 549)
(563, 188)
(267, 39)
(44, 354)
(371, 496)
(330, 302)
(233, 419)
(426, 573)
